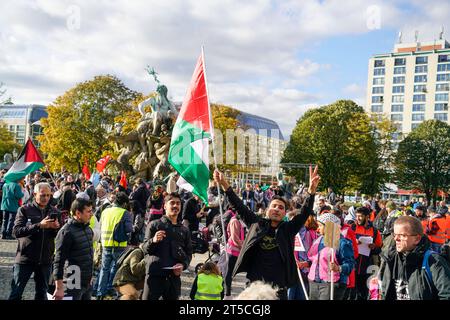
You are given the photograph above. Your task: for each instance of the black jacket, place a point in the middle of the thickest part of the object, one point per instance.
(35, 245)
(176, 247)
(259, 227)
(190, 210)
(419, 287)
(74, 244)
(141, 195)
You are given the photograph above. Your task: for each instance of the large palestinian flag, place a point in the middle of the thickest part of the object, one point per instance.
(189, 148)
(28, 161)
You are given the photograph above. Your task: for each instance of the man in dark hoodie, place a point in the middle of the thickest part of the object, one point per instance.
(267, 251)
(409, 270)
(35, 227)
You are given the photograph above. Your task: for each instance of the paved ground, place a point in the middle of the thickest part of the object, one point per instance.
(7, 254)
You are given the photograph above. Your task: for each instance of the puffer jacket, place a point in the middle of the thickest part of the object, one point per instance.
(259, 227)
(74, 244)
(177, 244)
(419, 286)
(35, 245)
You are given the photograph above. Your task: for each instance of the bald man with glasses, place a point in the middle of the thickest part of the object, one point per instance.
(35, 228)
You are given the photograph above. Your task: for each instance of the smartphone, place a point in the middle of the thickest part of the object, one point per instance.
(54, 216)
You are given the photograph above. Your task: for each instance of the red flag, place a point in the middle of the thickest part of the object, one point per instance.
(86, 171)
(101, 164)
(123, 179)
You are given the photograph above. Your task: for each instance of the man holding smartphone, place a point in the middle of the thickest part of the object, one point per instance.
(35, 228)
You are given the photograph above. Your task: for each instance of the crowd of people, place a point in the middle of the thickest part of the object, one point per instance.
(109, 241)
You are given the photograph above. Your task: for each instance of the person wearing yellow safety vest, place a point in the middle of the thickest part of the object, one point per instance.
(208, 285)
(110, 218)
(168, 250)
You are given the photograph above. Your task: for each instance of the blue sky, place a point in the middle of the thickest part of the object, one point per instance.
(271, 58)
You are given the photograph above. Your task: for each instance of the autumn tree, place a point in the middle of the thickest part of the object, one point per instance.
(7, 142)
(78, 122)
(423, 159)
(342, 140)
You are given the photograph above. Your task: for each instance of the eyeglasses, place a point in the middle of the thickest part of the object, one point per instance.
(403, 236)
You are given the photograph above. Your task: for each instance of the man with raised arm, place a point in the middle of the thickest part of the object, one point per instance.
(267, 252)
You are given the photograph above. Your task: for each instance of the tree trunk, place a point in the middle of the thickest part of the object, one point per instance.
(428, 196)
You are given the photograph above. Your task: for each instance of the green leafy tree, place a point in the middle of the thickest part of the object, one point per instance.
(79, 121)
(423, 159)
(7, 142)
(341, 139)
(2, 95)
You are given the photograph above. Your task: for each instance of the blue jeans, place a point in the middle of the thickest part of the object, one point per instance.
(21, 275)
(110, 255)
(8, 223)
(296, 292)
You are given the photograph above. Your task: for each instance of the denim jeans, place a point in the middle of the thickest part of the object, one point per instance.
(110, 256)
(21, 275)
(296, 292)
(8, 223)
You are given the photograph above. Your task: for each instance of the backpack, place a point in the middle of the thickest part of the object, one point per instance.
(445, 253)
(217, 225)
(119, 233)
(124, 255)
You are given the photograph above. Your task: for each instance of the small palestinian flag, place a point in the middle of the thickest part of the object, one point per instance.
(28, 162)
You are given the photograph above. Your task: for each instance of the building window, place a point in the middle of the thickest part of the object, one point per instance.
(421, 78)
(443, 67)
(420, 88)
(400, 61)
(414, 125)
(397, 136)
(419, 98)
(422, 60)
(399, 70)
(440, 116)
(378, 72)
(441, 107)
(443, 77)
(441, 97)
(422, 69)
(418, 107)
(444, 58)
(378, 90)
(418, 117)
(378, 81)
(377, 108)
(400, 79)
(377, 99)
(398, 89)
(397, 108)
(398, 99)
(397, 117)
(442, 87)
(379, 63)
(399, 126)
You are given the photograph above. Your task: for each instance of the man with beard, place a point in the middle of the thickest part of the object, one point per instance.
(364, 228)
(168, 250)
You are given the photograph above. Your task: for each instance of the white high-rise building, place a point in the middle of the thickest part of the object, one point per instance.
(411, 84)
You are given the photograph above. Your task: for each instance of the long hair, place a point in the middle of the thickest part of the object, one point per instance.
(209, 268)
(311, 223)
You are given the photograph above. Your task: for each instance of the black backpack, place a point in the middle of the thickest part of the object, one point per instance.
(217, 225)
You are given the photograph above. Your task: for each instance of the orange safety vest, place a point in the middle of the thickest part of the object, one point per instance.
(447, 229)
(424, 223)
(438, 234)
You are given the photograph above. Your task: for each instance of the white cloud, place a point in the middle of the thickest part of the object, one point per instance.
(253, 49)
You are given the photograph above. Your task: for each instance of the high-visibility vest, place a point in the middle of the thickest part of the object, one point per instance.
(209, 287)
(92, 225)
(447, 229)
(439, 237)
(109, 219)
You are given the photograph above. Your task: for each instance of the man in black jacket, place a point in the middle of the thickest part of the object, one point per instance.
(140, 193)
(35, 228)
(267, 252)
(193, 212)
(168, 251)
(74, 243)
(408, 270)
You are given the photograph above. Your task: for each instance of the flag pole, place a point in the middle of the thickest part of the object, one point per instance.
(213, 151)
